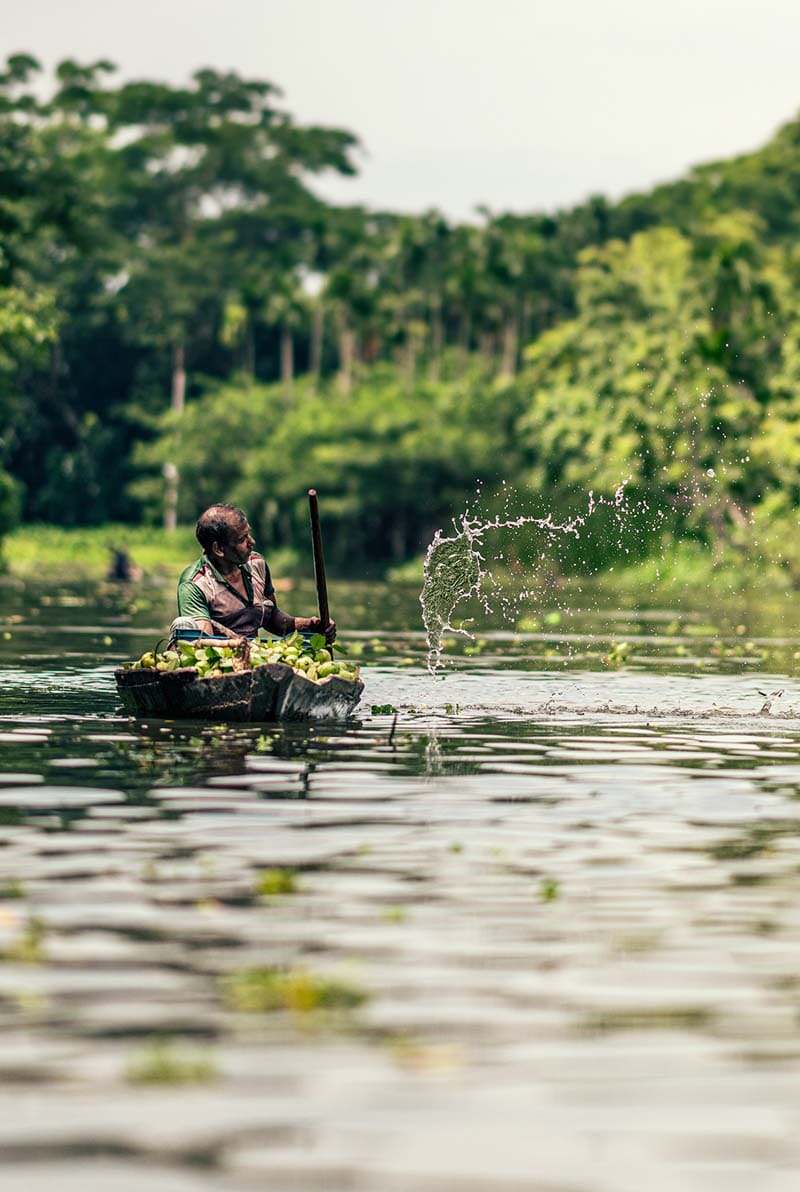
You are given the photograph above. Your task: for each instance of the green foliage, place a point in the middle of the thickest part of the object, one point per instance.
(183, 320)
(388, 454)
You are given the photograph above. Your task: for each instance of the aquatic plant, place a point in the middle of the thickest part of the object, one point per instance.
(163, 1062)
(394, 914)
(276, 881)
(268, 990)
(28, 946)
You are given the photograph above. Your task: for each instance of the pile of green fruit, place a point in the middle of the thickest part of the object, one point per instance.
(312, 659)
(210, 661)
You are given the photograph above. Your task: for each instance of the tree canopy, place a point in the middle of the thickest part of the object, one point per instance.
(184, 319)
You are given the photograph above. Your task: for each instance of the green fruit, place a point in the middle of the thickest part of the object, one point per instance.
(148, 660)
(323, 655)
(326, 669)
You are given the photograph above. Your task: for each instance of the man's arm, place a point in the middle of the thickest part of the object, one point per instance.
(283, 623)
(192, 603)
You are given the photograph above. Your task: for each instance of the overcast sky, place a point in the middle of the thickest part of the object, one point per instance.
(516, 104)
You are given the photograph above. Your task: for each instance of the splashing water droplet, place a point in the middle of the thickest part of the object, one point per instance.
(454, 566)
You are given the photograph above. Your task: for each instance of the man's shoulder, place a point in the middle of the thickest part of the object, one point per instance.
(194, 570)
(258, 566)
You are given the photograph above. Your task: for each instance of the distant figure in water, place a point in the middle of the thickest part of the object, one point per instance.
(122, 569)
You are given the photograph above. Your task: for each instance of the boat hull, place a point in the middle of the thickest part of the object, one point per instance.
(265, 693)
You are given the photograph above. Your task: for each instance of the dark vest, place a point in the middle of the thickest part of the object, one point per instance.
(229, 607)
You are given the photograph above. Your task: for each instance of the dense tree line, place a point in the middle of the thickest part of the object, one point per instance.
(183, 319)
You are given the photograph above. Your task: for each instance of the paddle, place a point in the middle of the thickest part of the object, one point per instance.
(319, 562)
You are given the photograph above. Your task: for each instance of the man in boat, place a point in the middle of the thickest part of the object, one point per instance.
(229, 589)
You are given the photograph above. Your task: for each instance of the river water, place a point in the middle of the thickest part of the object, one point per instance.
(532, 924)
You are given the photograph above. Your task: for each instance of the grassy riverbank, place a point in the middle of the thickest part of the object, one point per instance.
(684, 569)
(85, 552)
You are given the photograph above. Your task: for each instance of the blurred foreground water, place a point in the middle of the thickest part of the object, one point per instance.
(541, 932)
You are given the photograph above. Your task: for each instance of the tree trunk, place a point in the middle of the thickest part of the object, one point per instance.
(170, 468)
(409, 355)
(317, 332)
(249, 351)
(287, 359)
(486, 345)
(525, 322)
(508, 364)
(397, 538)
(346, 351)
(464, 337)
(465, 331)
(437, 336)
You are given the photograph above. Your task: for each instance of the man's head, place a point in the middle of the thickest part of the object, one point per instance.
(224, 534)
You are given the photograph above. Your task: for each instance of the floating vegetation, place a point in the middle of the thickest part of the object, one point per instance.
(28, 946)
(164, 1062)
(548, 889)
(269, 990)
(642, 1018)
(394, 914)
(12, 889)
(618, 654)
(758, 840)
(273, 882)
(150, 872)
(425, 1057)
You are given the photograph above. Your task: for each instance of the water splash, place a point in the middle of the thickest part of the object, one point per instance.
(455, 566)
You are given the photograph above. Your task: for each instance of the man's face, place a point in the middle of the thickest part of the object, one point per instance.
(239, 544)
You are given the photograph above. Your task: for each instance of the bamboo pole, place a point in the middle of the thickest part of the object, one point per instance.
(319, 562)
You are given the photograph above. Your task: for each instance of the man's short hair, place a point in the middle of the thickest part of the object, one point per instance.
(216, 523)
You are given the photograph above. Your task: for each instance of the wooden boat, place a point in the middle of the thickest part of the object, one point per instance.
(272, 692)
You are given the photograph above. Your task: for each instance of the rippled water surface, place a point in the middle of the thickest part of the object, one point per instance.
(531, 924)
